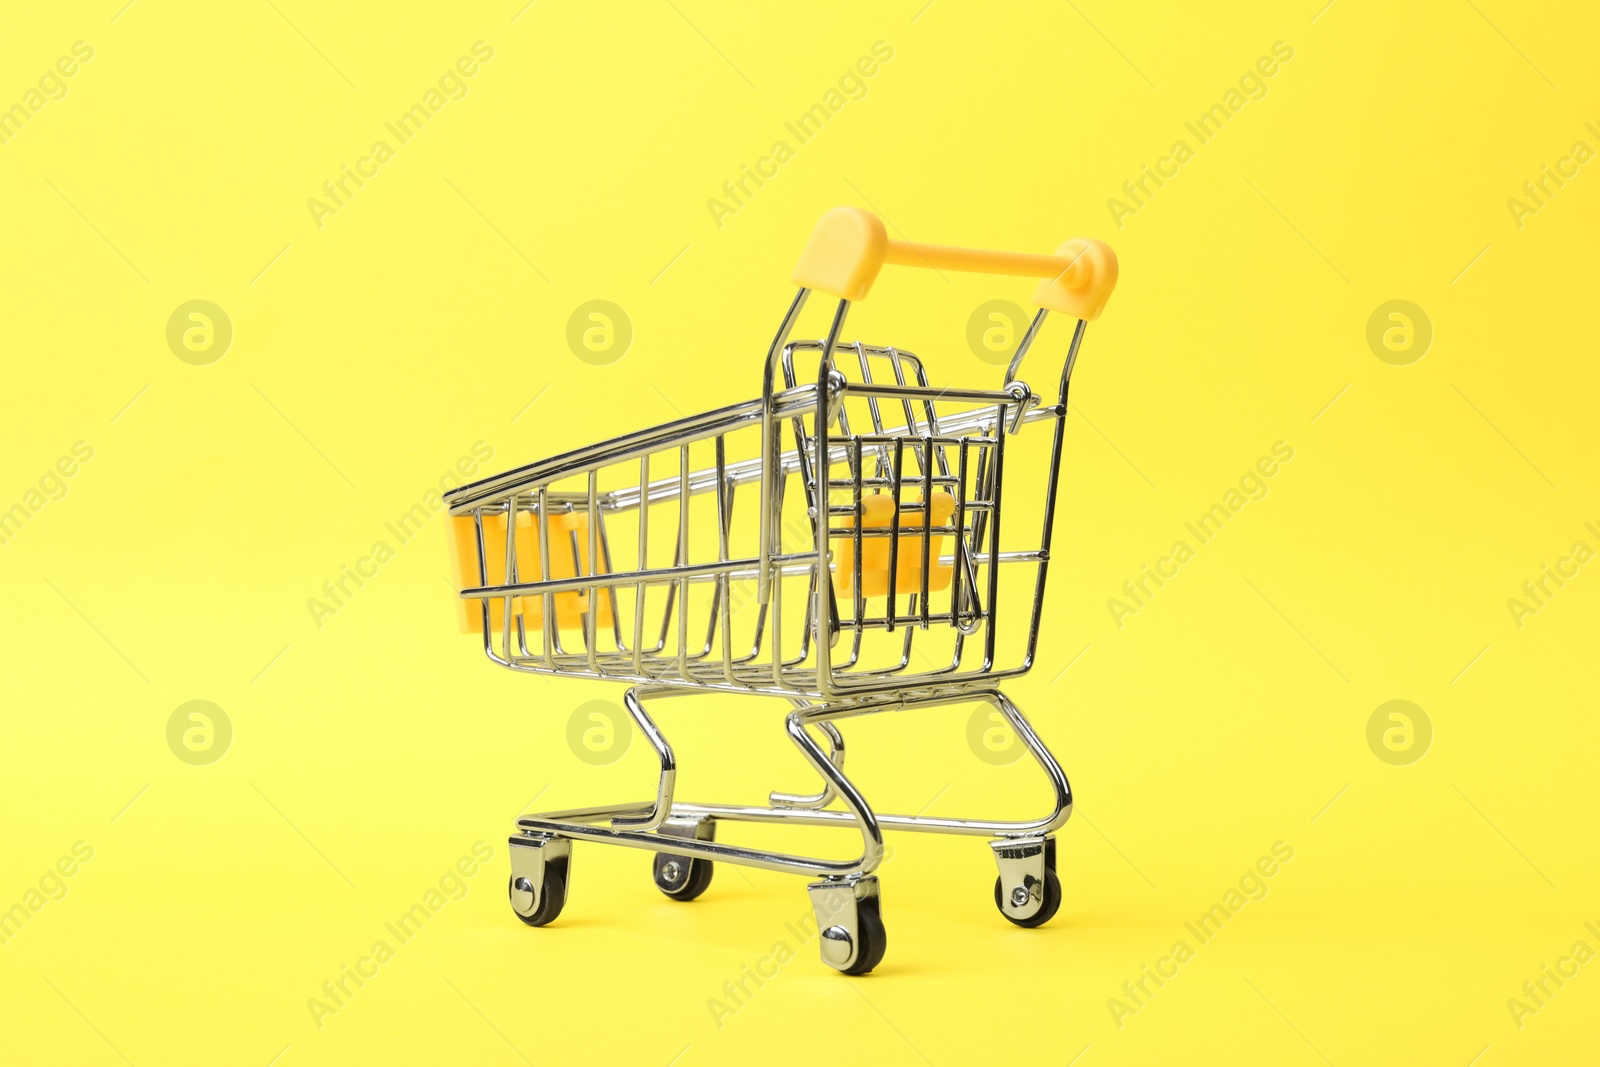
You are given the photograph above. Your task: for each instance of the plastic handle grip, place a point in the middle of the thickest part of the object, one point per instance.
(977, 260)
(849, 246)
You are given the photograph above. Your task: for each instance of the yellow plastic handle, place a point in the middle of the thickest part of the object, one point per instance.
(849, 247)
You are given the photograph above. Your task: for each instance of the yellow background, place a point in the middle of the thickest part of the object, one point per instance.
(369, 354)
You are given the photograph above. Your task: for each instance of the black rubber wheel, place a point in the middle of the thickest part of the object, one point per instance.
(1047, 910)
(873, 938)
(694, 875)
(552, 895)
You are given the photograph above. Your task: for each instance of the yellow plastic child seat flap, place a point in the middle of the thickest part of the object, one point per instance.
(567, 560)
(877, 511)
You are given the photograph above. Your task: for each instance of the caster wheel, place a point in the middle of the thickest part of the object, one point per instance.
(680, 877)
(1047, 909)
(872, 937)
(538, 908)
(849, 922)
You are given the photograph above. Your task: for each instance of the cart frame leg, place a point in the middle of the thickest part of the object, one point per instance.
(626, 821)
(644, 825)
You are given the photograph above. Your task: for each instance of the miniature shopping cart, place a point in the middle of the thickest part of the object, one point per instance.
(836, 543)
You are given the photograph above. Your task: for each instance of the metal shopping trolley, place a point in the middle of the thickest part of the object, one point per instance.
(836, 543)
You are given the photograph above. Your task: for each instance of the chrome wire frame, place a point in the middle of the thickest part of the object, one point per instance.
(640, 825)
(833, 652)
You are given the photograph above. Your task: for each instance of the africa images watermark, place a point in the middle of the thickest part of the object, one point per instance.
(51, 487)
(1538, 592)
(199, 732)
(1538, 191)
(51, 886)
(852, 85)
(452, 885)
(1252, 485)
(51, 86)
(1538, 992)
(338, 591)
(1252, 85)
(1252, 886)
(338, 191)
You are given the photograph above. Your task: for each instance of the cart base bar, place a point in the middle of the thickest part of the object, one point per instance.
(846, 899)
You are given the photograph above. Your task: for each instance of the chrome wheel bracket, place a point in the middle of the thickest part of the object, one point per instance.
(1022, 862)
(836, 902)
(529, 855)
